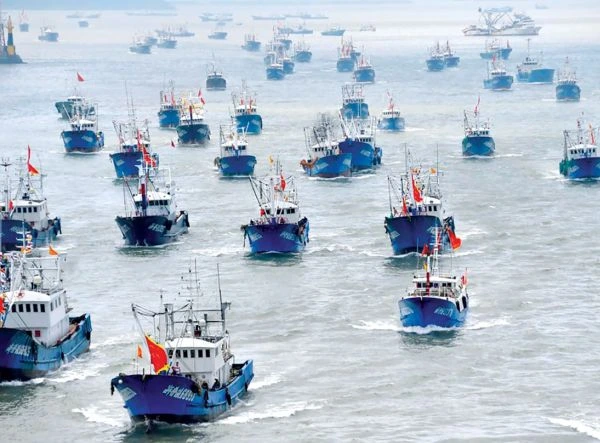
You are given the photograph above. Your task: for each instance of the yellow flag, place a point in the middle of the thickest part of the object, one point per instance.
(271, 161)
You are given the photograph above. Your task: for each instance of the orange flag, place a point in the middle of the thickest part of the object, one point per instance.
(51, 250)
(139, 351)
(79, 77)
(30, 168)
(455, 242)
(158, 356)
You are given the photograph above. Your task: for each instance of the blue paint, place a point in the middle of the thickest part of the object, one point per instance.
(277, 237)
(431, 311)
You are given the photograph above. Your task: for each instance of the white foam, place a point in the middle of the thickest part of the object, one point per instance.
(377, 325)
(274, 411)
(219, 252)
(95, 415)
(267, 381)
(419, 330)
(578, 426)
(485, 324)
(76, 371)
(111, 341)
(34, 381)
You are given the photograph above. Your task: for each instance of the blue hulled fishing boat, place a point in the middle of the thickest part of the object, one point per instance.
(451, 60)
(218, 33)
(364, 72)
(335, 31)
(192, 129)
(288, 64)
(188, 372)
(477, 141)
(250, 43)
(48, 34)
(275, 71)
(353, 102)
(494, 48)
(497, 78)
(279, 226)
(346, 59)
(83, 135)
(436, 298)
(302, 52)
(24, 216)
(390, 119)
(23, 22)
(531, 70)
(140, 46)
(151, 215)
(581, 157)
(215, 81)
(37, 335)
(567, 88)
(324, 157)
(234, 159)
(168, 114)
(166, 42)
(416, 212)
(245, 113)
(359, 140)
(436, 62)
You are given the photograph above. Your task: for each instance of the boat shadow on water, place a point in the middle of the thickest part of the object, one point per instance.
(274, 258)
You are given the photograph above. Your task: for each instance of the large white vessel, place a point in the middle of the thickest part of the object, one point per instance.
(502, 21)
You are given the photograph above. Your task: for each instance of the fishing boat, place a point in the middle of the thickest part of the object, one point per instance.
(8, 52)
(47, 34)
(279, 226)
(245, 112)
(283, 40)
(436, 298)
(364, 72)
(367, 28)
(581, 157)
(188, 372)
(390, 119)
(151, 214)
(302, 52)
(501, 21)
(436, 62)
(494, 48)
(299, 30)
(346, 60)
(531, 70)
(166, 42)
(353, 102)
(335, 31)
(234, 159)
(218, 34)
(324, 157)
(139, 46)
(497, 77)
(275, 71)
(567, 88)
(74, 104)
(272, 17)
(168, 114)
(23, 22)
(181, 31)
(478, 140)
(416, 211)
(288, 64)
(250, 43)
(37, 334)
(83, 23)
(83, 135)
(134, 146)
(24, 210)
(359, 139)
(451, 60)
(150, 39)
(215, 81)
(192, 130)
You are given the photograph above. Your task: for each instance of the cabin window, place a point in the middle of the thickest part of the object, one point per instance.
(30, 209)
(192, 353)
(185, 354)
(199, 353)
(20, 307)
(42, 307)
(177, 353)
(170, 353)
(59, 301)
(207, 353)
(35, 307)
(35, 209)
(51, 306)
(14, 308)
(37, 333)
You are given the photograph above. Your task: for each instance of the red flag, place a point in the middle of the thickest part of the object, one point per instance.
(11, 205)
(30, 168)
(79, 77)
(416, 192)
(52, 251)
(158, 356)
(425, 250)
(172, 144)
(404, 208)
(455, 242)
(477, 105)
(2, 305)
(282, 183)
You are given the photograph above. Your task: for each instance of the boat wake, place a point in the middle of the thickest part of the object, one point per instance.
(485, 324)
(273, 411)
(377, 325)
(76, 370)
(219, 252)
(35, 381)
(96, 415)
(111, 341)
(269, 380)
(578, 426)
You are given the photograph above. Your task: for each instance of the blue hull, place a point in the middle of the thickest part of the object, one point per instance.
(366, 75)
(502, 53)
(288, 67)
(275, 74)
(13, 232)
(330, 166)
(410, 234)
(451, 61)
(478, 145)
(391, 124)
(251, 123)
(543, 75)
(272, 237)
(345, 65)
(82, 141)
(127, 164)
(216, 83)
(178, 399)
(168, 118)
(430, 311)
(580, 168)
(303, 57)
(152, 230)
(355, 110)
(499, 83)
(363, 154)
(237, 165)
(251, 46)
(435, 65)
(196, 133)
(22, 358)
(568, 92)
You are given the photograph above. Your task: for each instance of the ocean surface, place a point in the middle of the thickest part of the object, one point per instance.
(332, 362)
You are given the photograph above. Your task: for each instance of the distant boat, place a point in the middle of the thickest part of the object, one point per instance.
(300, 29)
(23, 22)
(302, 52)
(324, 157)
(245, 112)
(279, 227)
(436, 61)
(192, 129)
(346, 59)
(74, 104)
(390, 119)
(478, 140)
(531, 71)
(24, 216)
(215, 81)
(83, 135)
(500, 21)
(217, 35)
(581, 157)
(368, 28)
(353, 102)
(37, 334)
(497, 77)
(47, 34)
(181, 31)
(364, 72)
(567, 88)
(335, 31)
(494, 48)
(234, 159)
(83, 23)
(167, 42)
(250, 43)
(168, 114)
(140, 47)
(359, 139)
(275, 71)
(268, 17)
(288, 64)
(450, 58)
(210, 17)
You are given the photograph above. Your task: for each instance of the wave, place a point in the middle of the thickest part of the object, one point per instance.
(34, 381)
(218, 252)
(111, 341)
(280, 411)
(578, 426)
(377, 325)
(267, 381)
(76, 370)
(420, 330)
(95, 415)
(485, 324)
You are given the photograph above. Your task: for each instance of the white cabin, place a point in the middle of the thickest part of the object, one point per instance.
(582, 151)
(32, 211)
